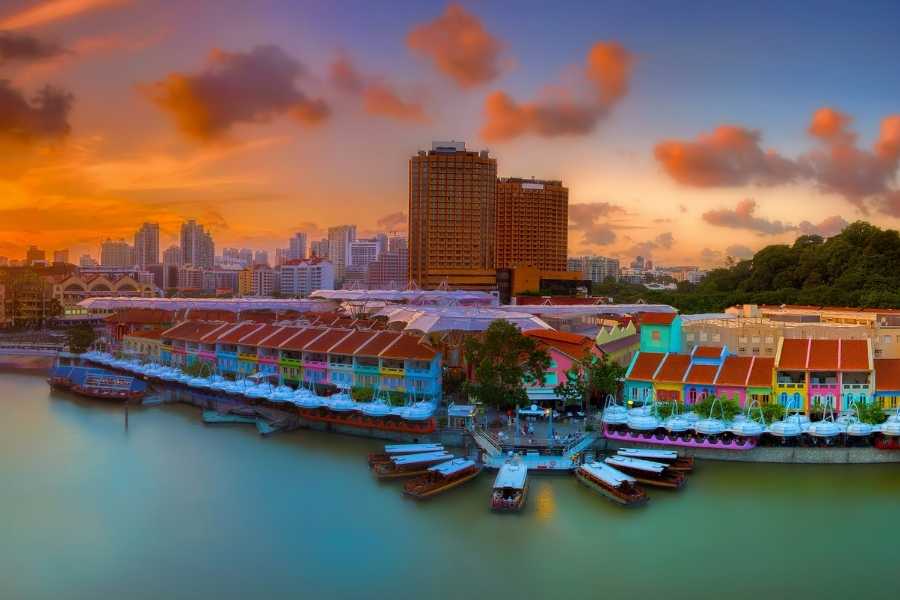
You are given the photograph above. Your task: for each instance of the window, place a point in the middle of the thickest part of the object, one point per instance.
(716, 337)
(887, 339)
(742, 349)
(655, 336)
(754, 350)
(742, 339)
(770, 339)
(690, 337)
(703, 336)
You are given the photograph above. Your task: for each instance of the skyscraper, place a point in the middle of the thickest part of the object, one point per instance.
(60, 257)
(146, 245)
(34, 255)
(532, 224)
(261, 257)
(452, 200)
(116, 253)
(197, 247)
(297, 247)
(339, 239)
(318, 248)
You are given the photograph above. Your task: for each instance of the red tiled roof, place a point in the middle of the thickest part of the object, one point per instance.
(256, 336)
(193, 331)
(855, 355)
(761, 373)
(298, 342)
(707, 352)
(149, 334)
(704, 374)
(377, 344)
(793, 354)
(275, 339)
(142, 316)
(350, 344)
(823, 355)
(409, 346)
(657, 318)
(234, 334)
(571, 344)
(645, 365)
(887, 374)
(673, 369)
(325, 342)
(734, 371)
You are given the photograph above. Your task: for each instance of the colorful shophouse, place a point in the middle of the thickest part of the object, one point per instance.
(565, 350)
(828, 373)
(887, 383)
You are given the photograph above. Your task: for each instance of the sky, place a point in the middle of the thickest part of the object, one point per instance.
(685, 132)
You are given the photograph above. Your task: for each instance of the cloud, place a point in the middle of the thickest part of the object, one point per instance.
(592, 220)
(55, 10)
(663, 241)
(45, 117)
(708, 256)
(564, 110)
(459, 46)
(20, 47)
(729, 156)
(396, 221)
(829, 227)
(739, 251)
(379, 98)
(743, 217)
(237, 87)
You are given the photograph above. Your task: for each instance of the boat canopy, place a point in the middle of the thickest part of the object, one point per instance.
(413, 448)
(607, 474)
(422, 457)
(511, 476)
(636, 463)
(648, 453)
(452, 466)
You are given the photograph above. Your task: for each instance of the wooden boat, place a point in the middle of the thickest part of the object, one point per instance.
(96, 383)
(441, 478)
(392, 450)
(648, 472)
(670, 457)
(510, 488)
(410, 465)
(615, 485)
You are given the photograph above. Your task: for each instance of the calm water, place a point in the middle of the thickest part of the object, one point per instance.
(175, 509)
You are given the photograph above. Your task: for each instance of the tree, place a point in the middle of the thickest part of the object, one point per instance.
(501, 362)
(590, 379)
(80, 338)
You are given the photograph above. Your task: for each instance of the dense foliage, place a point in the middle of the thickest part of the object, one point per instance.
(857, 267)
(500, 361)
(80, 338)
(590, 380)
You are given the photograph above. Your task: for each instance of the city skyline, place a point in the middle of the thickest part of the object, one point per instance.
(668, 150)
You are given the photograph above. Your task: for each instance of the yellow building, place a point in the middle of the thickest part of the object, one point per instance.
(245, 282)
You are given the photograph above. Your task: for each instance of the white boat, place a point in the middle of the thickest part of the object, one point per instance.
(643, 422)
(375, 409)
(614, 413)
(676, 424)
(510, 487)
(747, 428)
(786, 428)
(341, 402)
(710, 426)
(649, 472)
(612, 483)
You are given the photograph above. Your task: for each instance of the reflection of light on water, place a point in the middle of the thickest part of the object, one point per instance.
(545, 501)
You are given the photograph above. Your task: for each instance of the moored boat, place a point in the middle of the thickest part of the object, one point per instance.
(410, 465)
(612, 483)
(96, 383)
(670, 457)
(441, 478)
(648, 472)
(392, 450)
(510, 487)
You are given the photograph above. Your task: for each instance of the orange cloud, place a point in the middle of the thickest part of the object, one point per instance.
(743, 217)
(20, 47)
(831, 125)
(237, 87)
(459, 46)
(379, 97)
(55, 10)
(563, 111)
(31, 127)
(729, 156)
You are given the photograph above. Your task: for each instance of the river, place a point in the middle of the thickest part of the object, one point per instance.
(172, 508)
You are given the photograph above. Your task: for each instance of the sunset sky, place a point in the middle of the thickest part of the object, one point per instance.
(684, 131)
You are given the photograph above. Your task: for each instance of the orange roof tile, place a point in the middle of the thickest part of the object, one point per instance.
(149, 334)
(855, 355)
(377, 344)
(793, 354)
(823, 355)
(761, 372)
(256, 336)
(734, 371)
(298, 342)
(571, 344)
(707, 352)
(657, 318)
(645, 366)
(233, 334)
(192, 331)
(324, 342)
(409, 346)
(702, 374)
(353, 342)
(887, 374)
(673, 369)
(275, 339)
(142, 316)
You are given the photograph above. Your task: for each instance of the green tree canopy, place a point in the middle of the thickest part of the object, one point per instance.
(80, 338)
(501, 361)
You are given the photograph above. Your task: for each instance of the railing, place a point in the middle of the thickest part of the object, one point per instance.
(388, 371)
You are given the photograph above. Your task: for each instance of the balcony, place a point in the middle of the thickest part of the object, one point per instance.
(789, 385)
(392, 371)
(246, 357)
(855, 386)
(289, 362)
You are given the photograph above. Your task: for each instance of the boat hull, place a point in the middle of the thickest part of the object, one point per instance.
(440, 489)
(609, 494)
(509, 507)
(668, 439)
